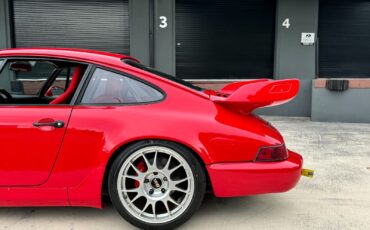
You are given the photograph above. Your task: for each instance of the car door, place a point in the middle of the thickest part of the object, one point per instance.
(30, 137)
(30, 134)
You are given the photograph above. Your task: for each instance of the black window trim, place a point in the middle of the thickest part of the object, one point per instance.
(91, 73)
(76, 94)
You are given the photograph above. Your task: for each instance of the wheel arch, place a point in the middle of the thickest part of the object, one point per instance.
(123, 146)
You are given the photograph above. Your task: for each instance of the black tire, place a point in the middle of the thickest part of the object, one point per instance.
(199, 184)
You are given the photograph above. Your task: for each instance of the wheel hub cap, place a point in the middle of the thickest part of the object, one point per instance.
(156, 183)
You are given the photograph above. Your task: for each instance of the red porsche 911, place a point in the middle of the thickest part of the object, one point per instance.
(77, 124)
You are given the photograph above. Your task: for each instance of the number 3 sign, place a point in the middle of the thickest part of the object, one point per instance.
(163, 24)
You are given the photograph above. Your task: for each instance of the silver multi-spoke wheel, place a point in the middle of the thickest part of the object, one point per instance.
(155, 184)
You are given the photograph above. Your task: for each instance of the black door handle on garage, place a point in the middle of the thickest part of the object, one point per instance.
(56, 124)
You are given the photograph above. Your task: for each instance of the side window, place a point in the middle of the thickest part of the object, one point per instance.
(113, 88)
(25, 77)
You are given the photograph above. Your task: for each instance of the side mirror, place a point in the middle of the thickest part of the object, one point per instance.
(20, 67)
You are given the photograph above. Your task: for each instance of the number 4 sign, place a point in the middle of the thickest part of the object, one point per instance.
(286, 23)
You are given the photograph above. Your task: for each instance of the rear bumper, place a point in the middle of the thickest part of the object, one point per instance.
(250, 178)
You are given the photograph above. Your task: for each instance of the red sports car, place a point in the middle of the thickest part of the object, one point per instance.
(77, 124)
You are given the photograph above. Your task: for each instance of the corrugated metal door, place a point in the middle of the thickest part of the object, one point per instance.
(90, 24)
(224, 39)
(344, 35)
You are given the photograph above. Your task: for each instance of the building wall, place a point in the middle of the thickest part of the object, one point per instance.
(348, 106)
(351, 105)
(140, 30)
(164, 38)
(292, 59)
(155, 46)
(5, 35)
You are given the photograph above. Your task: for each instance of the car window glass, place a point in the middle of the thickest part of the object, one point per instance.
(25, 77)
(113, 88)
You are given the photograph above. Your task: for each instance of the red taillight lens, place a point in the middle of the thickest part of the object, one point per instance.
(272, 153)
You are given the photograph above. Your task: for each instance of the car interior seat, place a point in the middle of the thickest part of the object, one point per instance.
(76, 78)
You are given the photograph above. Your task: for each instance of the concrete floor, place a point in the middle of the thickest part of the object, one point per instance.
(337, 198)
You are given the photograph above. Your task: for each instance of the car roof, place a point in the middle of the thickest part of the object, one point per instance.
(68, 53)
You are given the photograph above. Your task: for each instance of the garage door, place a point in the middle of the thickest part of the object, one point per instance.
(344, 35)
(224, 39)
(90, 24)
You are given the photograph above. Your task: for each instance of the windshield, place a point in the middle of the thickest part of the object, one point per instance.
(161, 74)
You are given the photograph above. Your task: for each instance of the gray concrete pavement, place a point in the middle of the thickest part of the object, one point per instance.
(337, 198)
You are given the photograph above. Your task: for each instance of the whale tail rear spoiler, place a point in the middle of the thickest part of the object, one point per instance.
(247, 96)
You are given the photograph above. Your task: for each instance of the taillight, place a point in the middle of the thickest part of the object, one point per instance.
(272, 153)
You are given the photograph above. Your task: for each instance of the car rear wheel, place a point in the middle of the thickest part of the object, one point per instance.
(156, 184)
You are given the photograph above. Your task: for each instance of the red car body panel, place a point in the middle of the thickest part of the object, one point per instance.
(66, 167)
(41, 145)
(277, 176)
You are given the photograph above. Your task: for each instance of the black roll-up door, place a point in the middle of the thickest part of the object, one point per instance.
(89, 24)
(344, 35)
(225, 39)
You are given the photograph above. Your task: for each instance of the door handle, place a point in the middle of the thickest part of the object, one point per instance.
(56, 124)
